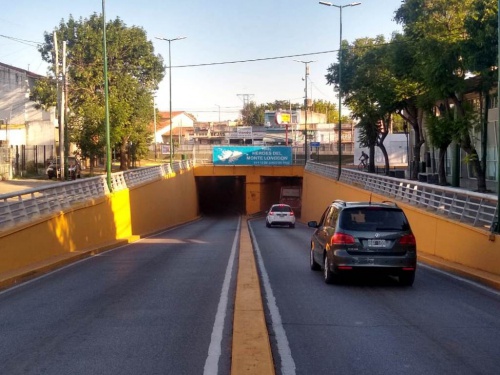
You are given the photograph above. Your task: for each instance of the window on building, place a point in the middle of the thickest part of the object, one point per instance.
(493, 101)
(492, 151)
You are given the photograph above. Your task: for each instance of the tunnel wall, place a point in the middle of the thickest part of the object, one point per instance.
(436, 235)
(118, 218)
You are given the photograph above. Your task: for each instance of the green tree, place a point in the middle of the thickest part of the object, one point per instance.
(410, 92)
(329, 109)
(134, 72)
(481, 54)
(437, 31)
(369, 90)
(253, 114)
(440, 128)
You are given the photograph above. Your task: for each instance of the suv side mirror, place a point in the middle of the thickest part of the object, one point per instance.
(312, 224)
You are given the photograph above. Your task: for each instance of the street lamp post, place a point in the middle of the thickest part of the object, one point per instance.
(170, 90)
(306, 63)
(340, 7)
(154, 116)
(497, 226)
(219, 112)
(106, 100)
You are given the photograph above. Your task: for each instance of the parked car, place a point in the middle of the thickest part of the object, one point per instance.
(280, 214)
(54, 168)
(363, 236)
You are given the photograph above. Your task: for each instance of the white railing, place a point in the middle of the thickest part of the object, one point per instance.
(465, 206)
(29, 204)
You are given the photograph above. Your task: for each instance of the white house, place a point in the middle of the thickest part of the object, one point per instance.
(20, 122)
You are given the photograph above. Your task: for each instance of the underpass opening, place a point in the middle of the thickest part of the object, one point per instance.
(222, 195)
(271, 187)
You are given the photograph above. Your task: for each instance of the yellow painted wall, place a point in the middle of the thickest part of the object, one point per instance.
(435, 234)
(126, 214)
(120, 216)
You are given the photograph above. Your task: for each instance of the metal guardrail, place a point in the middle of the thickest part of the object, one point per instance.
(29, 204)
(476, 209)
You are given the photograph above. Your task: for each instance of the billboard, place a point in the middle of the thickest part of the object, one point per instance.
(252, 155)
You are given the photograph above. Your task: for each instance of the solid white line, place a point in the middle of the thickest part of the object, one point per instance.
(287, 362)
(214, 350)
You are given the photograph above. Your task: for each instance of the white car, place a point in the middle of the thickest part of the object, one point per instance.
(280, 214)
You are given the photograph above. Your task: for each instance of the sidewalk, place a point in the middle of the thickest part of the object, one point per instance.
(12, 186)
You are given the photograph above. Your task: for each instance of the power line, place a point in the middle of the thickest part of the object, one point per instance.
(22, 41)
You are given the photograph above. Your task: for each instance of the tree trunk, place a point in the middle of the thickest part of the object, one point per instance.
(371, 160)
(386, 158)
(123, 156)
(414, 116)
(476, 163)
(441, 167)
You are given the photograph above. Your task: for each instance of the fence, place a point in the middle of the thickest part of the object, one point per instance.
(30, 160)
(29, 204)
(479, 210)
(5, 164)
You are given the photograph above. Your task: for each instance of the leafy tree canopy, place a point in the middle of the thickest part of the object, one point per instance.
(134, 72)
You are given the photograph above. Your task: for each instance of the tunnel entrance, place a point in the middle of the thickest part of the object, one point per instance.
(222, 195)
(226, 195)
(271, 189)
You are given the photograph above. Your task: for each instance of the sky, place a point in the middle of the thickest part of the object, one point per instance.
(212, 71)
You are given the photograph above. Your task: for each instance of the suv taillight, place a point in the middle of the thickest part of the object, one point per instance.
(408, 239)
(342, 239)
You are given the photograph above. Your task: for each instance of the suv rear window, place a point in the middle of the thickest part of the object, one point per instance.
(373, 218)
(281, 209)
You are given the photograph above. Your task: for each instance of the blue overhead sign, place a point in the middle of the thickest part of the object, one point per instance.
(314, 144)
(252, 155)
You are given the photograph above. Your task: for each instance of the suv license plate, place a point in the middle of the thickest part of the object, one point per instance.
(376, 243)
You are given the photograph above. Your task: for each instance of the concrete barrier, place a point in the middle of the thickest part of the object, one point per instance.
(96, 225)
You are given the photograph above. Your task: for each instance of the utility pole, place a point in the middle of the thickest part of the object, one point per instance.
(60, 110)
(64, 159)
(246, 99)
(306, 105)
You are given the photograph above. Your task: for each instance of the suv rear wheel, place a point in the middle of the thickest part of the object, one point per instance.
(328, 275)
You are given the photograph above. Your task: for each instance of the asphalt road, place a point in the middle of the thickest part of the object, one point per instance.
(441, 325)
(164, 305)
(146, 308)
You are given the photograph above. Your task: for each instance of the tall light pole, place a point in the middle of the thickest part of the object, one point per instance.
(106, 100)
(170, 89)
(154, 117)
(306, 63)
(340, 7)
(219, 112)
(497, 229)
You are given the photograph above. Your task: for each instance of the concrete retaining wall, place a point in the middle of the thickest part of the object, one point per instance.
(117, 218)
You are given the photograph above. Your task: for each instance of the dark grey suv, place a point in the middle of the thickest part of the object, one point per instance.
(363, 236)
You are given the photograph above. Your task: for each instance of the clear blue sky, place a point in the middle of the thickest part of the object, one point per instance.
(216, 31)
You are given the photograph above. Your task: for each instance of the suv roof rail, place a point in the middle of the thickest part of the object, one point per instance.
(340, 201)
(390, 202)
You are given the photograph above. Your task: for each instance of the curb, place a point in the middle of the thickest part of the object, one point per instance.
(482, 277)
